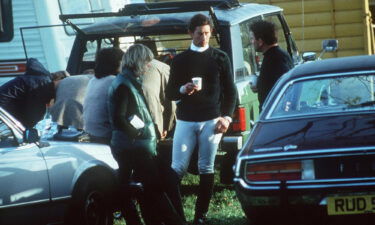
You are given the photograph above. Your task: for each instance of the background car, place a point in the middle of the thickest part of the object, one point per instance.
(310, 158)
(53, 182)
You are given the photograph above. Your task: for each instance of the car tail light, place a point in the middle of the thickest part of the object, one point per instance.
(280, 171)
(239, 119)
(12, 67)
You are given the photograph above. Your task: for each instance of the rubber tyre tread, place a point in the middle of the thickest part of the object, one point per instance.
(86, 193)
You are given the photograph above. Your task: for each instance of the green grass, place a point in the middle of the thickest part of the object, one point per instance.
(225, 208)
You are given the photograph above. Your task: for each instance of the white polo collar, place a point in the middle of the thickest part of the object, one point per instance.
(195, 48)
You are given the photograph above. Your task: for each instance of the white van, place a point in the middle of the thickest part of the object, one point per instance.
(39, 33)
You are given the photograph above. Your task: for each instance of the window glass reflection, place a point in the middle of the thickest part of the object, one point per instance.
(7, 138)
(335, 94)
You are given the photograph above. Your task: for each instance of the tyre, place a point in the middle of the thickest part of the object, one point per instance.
(90, 205)
(262, 217)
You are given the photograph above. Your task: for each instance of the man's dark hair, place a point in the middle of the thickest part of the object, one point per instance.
(199, 20)
(59, 75)
(264, 30)
(108, 62)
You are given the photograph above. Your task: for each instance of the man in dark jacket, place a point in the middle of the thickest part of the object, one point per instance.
(276, 61)
(26, 96)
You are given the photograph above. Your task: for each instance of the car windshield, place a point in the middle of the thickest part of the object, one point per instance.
(326, 95)
(164, 46)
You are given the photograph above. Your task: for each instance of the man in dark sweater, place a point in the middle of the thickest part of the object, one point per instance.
(276, 61)
(203, 113)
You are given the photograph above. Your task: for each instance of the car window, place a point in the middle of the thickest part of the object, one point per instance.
(87, 6)
(7, 139)
(250, 57)
(164, 46)
(326, 95)
(92, 46)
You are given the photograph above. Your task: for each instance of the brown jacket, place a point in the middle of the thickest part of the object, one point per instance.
(154, 83)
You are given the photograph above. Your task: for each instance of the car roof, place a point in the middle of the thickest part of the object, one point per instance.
(174, 22)
(333, 65)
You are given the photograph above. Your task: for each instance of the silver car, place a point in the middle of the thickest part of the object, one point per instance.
(53, 182)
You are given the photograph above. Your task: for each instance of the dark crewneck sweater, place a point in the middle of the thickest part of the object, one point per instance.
(218, 94)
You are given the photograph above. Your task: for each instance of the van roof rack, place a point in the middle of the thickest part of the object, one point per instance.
(136, 9)
(158, 8)
(171, 7)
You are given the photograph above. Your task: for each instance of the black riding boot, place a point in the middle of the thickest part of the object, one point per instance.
(206, 184)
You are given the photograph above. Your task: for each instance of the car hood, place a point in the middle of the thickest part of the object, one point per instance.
(339, 131)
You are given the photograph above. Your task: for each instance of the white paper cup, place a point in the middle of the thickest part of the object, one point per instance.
(197, 81)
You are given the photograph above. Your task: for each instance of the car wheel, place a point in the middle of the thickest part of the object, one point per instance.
(90, 206)
(258, 218)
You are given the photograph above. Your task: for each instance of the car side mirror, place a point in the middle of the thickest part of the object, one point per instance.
(31, 135)
(309, 56)
(330, 45)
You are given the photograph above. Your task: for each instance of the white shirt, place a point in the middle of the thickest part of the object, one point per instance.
(195, 48)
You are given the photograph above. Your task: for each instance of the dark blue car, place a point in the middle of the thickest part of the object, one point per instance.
(310, 158)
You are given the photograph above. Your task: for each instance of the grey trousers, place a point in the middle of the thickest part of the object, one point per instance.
(187, 135)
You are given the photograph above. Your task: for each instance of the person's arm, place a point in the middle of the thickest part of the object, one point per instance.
(121, 107)
(228, 102)
(12, 90)
(177, 87)
(228, 88)
(169, 106)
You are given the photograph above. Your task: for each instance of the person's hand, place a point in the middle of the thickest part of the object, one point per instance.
(164, 134)
(50, 103)
(190, 88)
(222, 125)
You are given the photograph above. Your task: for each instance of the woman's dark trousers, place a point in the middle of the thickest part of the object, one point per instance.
(156, 206)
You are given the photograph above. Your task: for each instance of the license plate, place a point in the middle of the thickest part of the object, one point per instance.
(347, 205)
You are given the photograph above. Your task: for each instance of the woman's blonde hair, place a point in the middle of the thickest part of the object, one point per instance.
(136, 58)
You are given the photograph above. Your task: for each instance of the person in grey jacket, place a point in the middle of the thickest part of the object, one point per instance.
(133, 141)
(95, 110)
(68, 107)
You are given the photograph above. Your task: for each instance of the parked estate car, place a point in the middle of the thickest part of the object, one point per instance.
(53, 182)
(163, 27)
(310, 158)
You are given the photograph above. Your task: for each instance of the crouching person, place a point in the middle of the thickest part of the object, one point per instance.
(134, 138)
